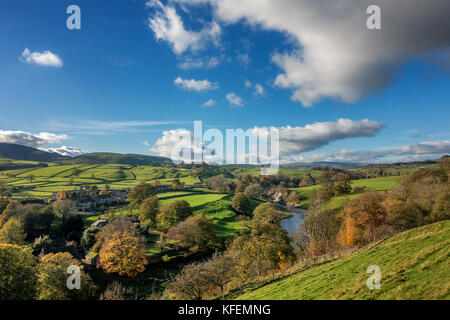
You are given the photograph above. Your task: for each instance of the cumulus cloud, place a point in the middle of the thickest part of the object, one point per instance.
(195, 85)
(46, 58)
(65, 151)
(234, 99)
(39, 140)
(209, 103)
(168, 26)
(419, 151)
(294, 140)
(337, 57)
(30, 139)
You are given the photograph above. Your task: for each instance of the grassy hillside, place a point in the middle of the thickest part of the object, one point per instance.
(116, 158)
(19, 152)
(372, 185)
(414, 265)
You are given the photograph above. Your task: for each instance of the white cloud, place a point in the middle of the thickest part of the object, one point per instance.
(259, 89)
(46, 58)
(39, 140)
(167, 25)
(207, 63)
(209, 103)
(65, 151)
(235, 99)
(195, 85)
(243, 59)
(419, 151)
(30, 139)
(337, 57)
(294, 140)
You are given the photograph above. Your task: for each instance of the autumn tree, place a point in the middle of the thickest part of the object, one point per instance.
(123, 254)
(241, 203)
(12, 232)
(17, 273)
(195, 231)
(362, 218)
(117, 225)
(193, 283)
(173, 213)
(220, 184)
(52, 279)
(176, 185)
(115, 291)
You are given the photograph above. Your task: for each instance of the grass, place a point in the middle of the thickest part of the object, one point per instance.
(337, 203)
(414, 265)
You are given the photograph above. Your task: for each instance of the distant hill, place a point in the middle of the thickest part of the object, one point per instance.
(116, 158)
(309, 165)
(24, 153)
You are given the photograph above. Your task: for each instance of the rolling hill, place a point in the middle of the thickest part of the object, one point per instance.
(24, 153)
(414, 265)
(116, 158)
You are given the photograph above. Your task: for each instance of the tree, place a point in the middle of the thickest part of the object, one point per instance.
(88, 239)
(5, 191)
(161, 243)
(195, 231)
(140, 193)
(123, 254)
(115, 291)
(117, 225)
(11, 210)
(218, 270)
(326, 186)
(402, 215)
(342, 185)
(62, 208)
(148, 210)
(42, 244)
(244, 183)
(254, 190)
(362, 217)
(173, 213)
(241, 203)
(17, 273)
(441, 207)
(192, 283)
(220, 184)
(307, 181)
(12, 232)
(52, 279)
(31, 178)
(177, 185)
(73, 223)
(317, 234)
(37, 220)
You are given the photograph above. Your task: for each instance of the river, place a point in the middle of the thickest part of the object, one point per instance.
(293, 223)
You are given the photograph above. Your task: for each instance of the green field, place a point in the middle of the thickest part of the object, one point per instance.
(414, 265)
(68, 177)
(336, 203)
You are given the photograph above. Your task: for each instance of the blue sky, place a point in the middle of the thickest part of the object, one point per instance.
(114, 90)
